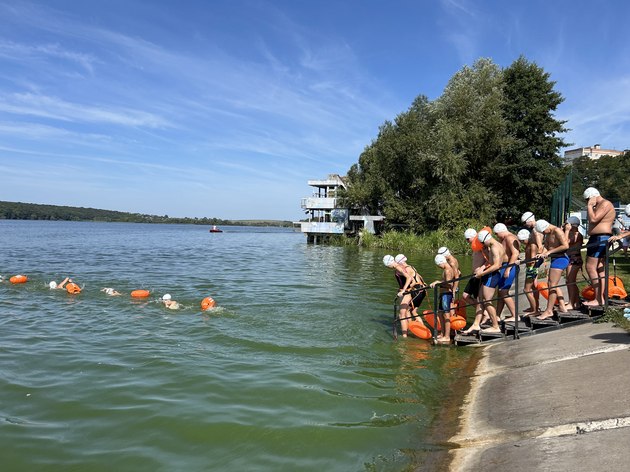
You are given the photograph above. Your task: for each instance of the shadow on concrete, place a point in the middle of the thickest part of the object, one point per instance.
(613, 337)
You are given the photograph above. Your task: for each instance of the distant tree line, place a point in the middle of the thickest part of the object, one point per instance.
(33, 211)
(486, 150)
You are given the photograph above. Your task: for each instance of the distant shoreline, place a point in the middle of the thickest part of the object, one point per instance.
(41, 212)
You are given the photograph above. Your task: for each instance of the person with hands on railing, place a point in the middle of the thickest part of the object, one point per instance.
(445, 299)
(555, 247)
(490, 275)
(575, 240)
(408, 279)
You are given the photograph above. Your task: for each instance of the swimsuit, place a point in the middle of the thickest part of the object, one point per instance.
(491, 279)
(445, 301)
(532, 271)
(559, 261)
(417, 294)
(597, 250)
(506, 283)
(472, 287)
(575, 258)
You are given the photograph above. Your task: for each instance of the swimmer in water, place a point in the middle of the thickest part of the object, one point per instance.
(169, 303)
(110, 291)
(54, 285)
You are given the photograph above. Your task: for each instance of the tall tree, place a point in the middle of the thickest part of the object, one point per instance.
(530, 165)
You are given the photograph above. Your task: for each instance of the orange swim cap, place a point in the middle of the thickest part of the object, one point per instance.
(207, 303)
(476, 245)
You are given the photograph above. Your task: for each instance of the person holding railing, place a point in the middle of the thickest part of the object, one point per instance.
(575, 240)
(407, 279)
(531, 270)
(555, 247)
(471, 295)
(512, 250)
(601, 215)
(446, 298)
(490, 274)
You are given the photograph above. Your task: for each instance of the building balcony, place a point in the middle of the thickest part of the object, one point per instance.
(319, 203)
(321, 228)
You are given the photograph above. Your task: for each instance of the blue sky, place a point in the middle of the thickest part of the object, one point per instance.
(225, 108)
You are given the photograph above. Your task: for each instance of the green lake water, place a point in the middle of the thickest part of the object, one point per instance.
(295, 370)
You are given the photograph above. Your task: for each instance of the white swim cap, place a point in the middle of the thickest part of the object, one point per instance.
(528, 215)
(500, 228)
(590, 193)
(573, 221)
(166, 296)
(444, 251)
(523, 235)
(400, 258)
(470, 233)
(628, 209)
(541, 225)
(388, 260)
(440, 259)
(52, 285)
(483, 236)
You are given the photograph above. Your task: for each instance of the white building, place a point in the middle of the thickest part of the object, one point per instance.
(325, 216)
(592, 152)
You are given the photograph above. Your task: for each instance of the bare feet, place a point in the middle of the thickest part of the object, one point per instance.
(591, 303)
(545, 316)
(491, 330)
(470, 330)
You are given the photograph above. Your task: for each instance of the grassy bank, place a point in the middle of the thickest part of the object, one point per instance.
(406, 241)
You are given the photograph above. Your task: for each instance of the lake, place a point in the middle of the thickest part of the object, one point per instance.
(295, 369)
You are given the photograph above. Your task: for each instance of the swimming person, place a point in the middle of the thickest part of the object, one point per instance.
(110, 291)
(512, 249)
(406, 278)
(555, 247)
(54, 285)
(490, 274)
(446, 298)
(601, 214)
(169, 302)
(575, 240)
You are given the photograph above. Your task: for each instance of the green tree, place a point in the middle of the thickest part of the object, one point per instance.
(530, 165)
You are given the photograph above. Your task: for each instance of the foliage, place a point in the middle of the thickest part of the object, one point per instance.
(615, 316)
(32, 211)
(609, 174)
(485, 150)
(408, 241)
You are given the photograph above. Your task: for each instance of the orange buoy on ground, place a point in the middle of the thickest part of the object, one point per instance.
(73, 288)
(419, 330)
(18, 279)
(208, 303)
(588, 293)
(458, 322)
(140, 293)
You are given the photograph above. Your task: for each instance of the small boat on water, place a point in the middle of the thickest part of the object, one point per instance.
(214, 229)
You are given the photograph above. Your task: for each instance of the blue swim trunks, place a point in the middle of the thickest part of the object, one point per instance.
(597, 250)
(491, 279)
(559, 262)
(445, 301)
(506, 283)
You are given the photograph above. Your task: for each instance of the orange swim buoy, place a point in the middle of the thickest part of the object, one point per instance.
(429, 317)
(476, 245)
(73, 288)
(419, 330)
(543, 288)
(140, 293)
(460, 308)
(458, 322)
(18, 279)
(208, 303)
(588, 293)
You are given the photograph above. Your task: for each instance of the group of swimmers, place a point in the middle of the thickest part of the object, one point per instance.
(72, 288)
(495, 265)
